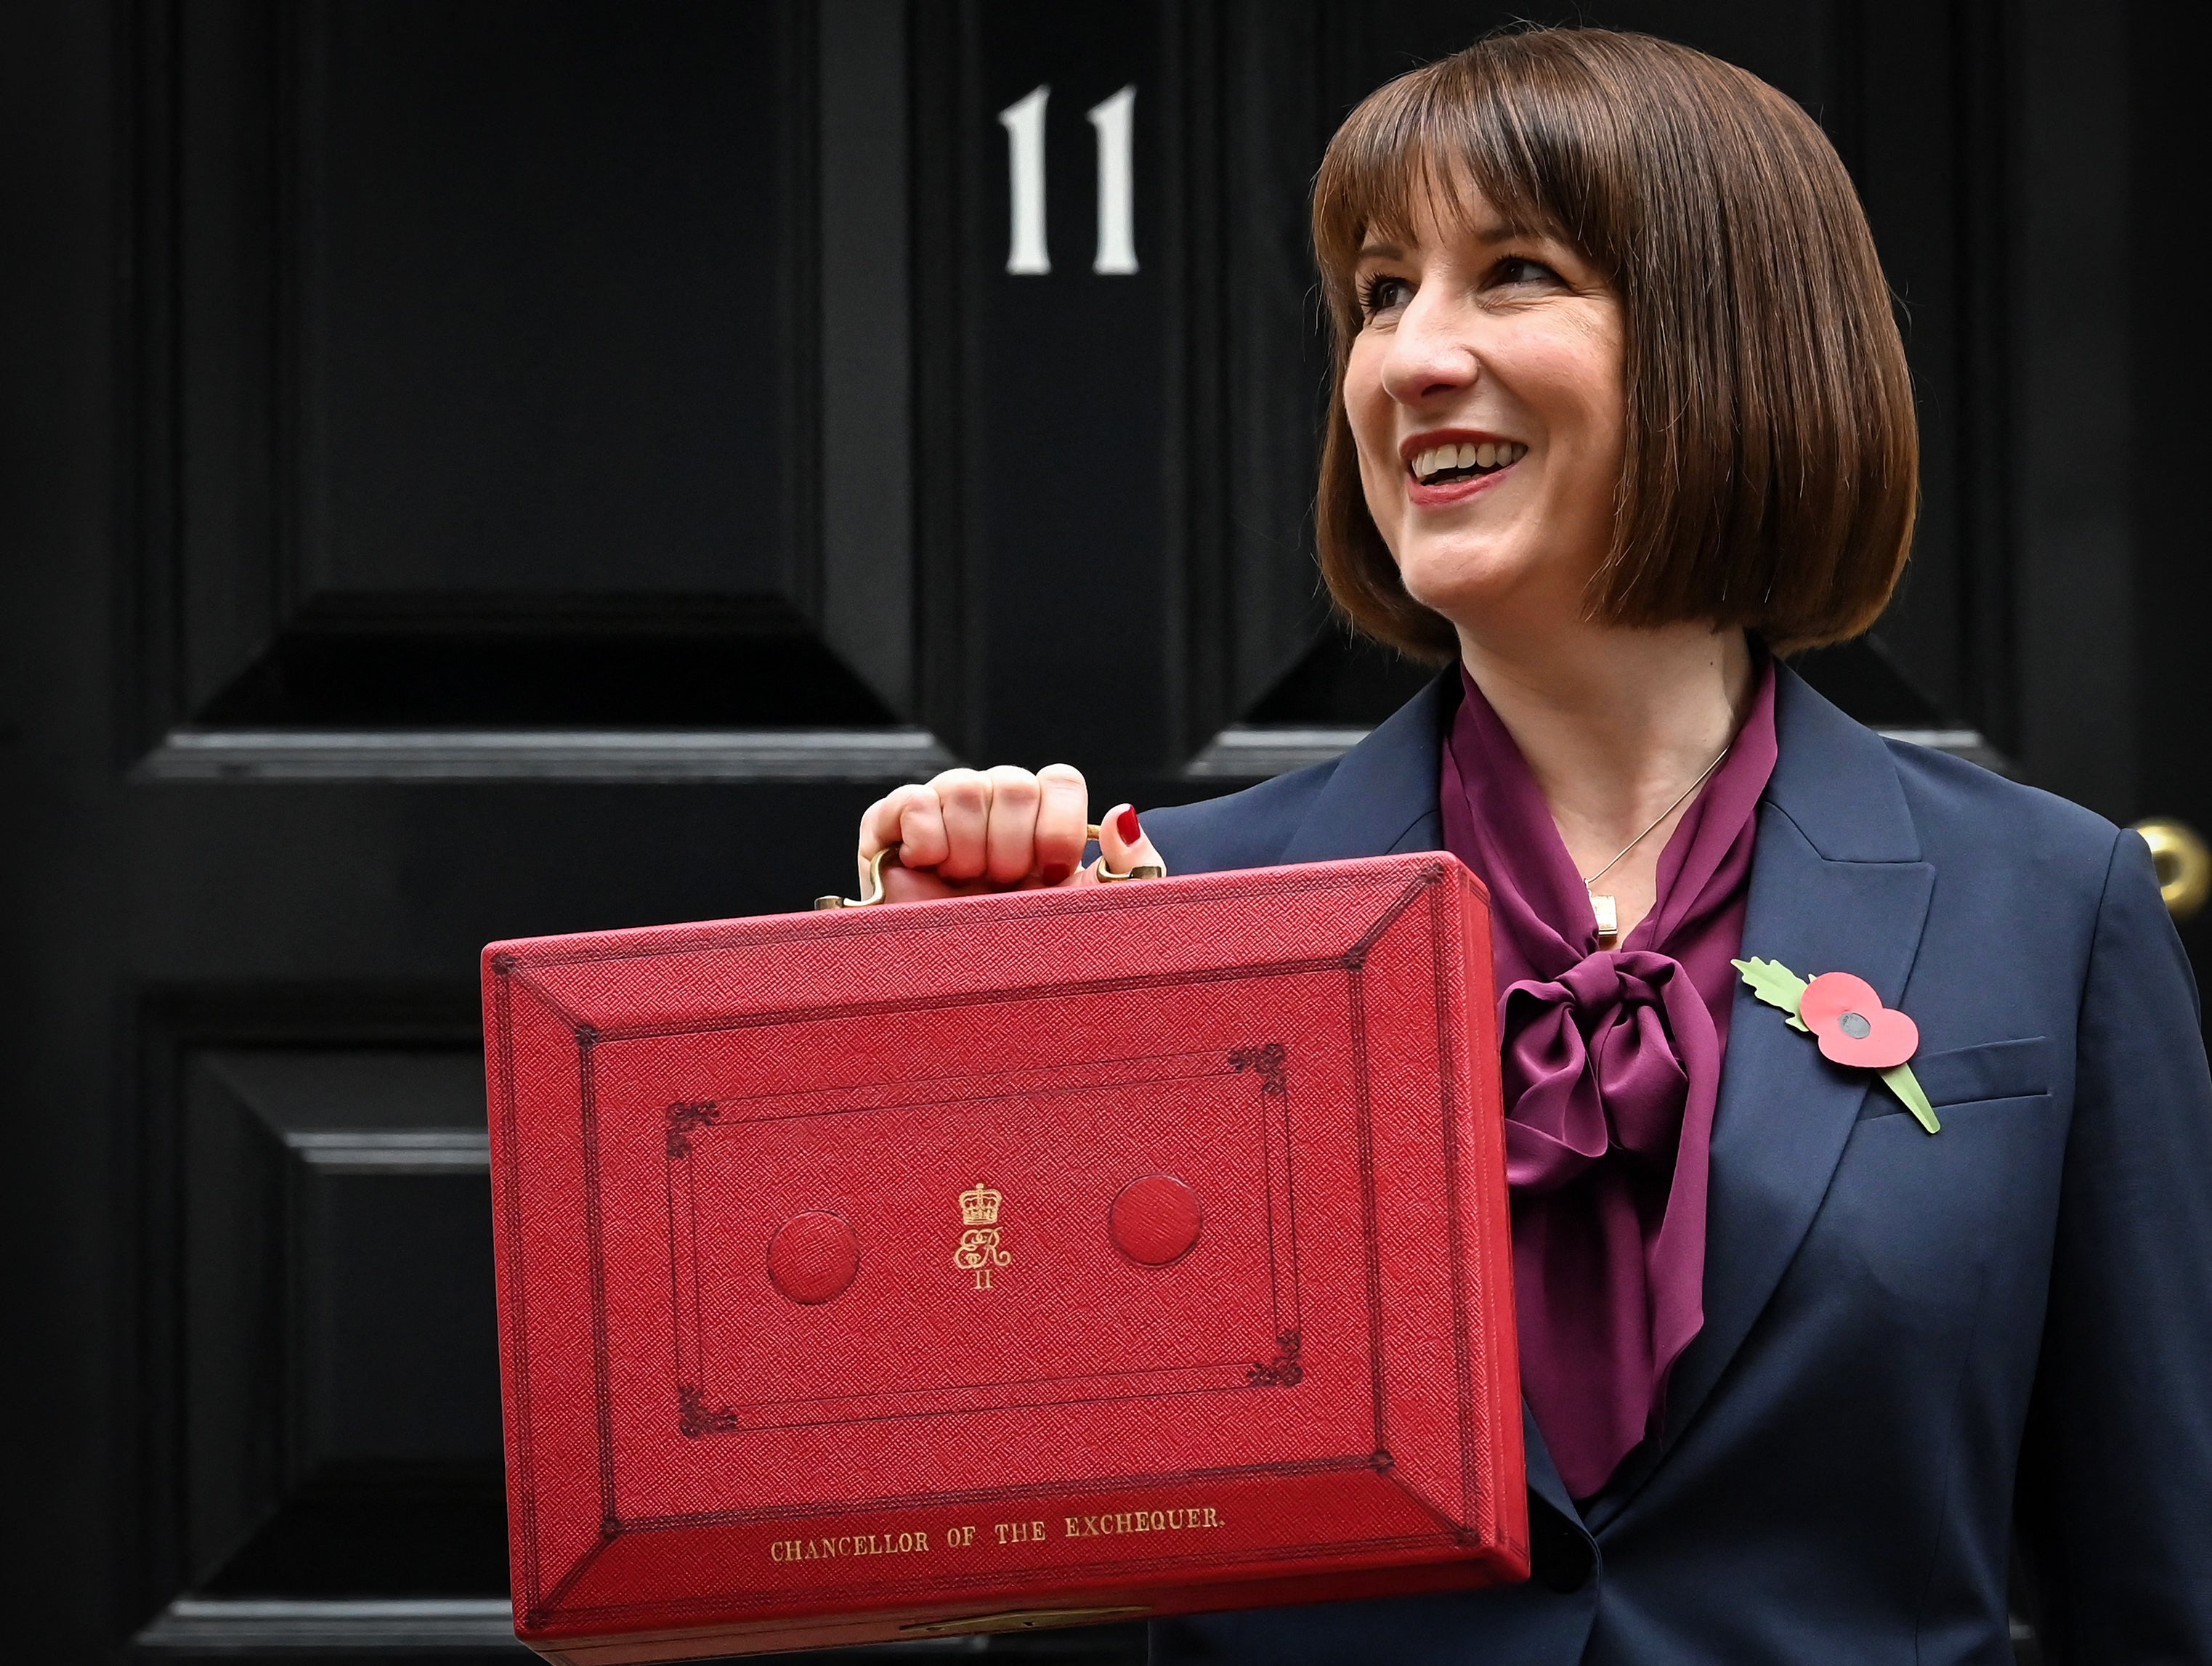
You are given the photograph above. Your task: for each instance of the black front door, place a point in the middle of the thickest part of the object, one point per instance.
(509, 467)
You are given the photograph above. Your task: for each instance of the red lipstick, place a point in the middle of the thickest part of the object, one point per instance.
(1443, 494)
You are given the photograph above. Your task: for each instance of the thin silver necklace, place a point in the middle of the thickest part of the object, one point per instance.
(1602, 907)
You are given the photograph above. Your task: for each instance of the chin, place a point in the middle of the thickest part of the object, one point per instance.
(1461, 584)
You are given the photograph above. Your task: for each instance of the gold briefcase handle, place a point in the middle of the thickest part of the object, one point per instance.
(1106, 875)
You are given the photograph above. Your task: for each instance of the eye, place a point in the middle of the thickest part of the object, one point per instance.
(1517, 271)
(1379, 293)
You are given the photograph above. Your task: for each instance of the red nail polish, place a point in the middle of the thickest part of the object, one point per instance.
(1054, 873)
(1126, 825)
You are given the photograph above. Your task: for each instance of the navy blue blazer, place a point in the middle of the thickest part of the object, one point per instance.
(1910, 1339)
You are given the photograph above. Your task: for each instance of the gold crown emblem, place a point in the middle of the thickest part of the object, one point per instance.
(980, 1208)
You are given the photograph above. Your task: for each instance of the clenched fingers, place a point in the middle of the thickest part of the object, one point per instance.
(964, 797)
(909, 818)
(973, 829)
(1063, 808)
(1009, 828)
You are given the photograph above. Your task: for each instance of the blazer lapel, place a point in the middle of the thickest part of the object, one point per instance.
(1543, 1474)
(1836, 885)
(1381, 798)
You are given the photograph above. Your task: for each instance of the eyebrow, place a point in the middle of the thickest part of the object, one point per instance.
(1504, 232)
(1495, 232)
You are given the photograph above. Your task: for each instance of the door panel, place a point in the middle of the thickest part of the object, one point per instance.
(340, 1379)
(490, 357)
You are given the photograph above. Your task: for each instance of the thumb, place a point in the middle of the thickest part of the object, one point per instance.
(1122, 845)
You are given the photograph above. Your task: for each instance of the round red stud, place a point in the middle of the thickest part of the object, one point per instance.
(813, 1258)
(1155, 1220)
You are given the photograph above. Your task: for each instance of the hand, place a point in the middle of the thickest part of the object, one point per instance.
(1002, 829)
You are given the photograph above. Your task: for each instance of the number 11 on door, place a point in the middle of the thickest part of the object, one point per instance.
(1113, 127)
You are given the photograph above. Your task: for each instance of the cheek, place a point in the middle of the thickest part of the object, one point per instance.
(1370, 411)
(1577, 378)
(1599, 416)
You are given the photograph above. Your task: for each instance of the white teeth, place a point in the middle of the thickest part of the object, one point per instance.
(1489, 454)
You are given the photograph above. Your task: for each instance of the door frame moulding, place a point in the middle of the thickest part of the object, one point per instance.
(202, 1626)
(587, 754)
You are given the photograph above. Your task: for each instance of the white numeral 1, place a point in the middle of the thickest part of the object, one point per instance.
(1117, 217)
(1023, 120)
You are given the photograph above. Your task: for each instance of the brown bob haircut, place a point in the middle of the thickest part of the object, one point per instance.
(1772, 458)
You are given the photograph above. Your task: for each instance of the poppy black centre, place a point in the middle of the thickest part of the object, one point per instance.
(1854, 1027)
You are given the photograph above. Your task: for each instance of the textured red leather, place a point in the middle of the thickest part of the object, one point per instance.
(1004, 1261)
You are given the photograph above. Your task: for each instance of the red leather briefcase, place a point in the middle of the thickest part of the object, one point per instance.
(1023, 1260)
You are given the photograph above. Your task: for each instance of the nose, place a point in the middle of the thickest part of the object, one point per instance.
(1430, 352)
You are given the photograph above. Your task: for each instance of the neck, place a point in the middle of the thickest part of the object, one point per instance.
(1615, 723)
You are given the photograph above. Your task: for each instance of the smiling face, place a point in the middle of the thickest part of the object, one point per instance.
(1486, 398)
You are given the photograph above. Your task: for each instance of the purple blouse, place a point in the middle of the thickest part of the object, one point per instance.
(1612, 1064)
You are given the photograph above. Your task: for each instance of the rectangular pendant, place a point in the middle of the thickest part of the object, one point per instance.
(1608, 919)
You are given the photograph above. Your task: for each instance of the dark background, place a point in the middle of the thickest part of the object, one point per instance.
(513, 466)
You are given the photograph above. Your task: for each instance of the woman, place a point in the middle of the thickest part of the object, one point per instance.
(1621, 411)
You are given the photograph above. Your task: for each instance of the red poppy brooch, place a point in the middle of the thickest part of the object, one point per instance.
(1847, 1018)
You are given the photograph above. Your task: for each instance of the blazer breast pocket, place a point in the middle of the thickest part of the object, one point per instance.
(1964, 1075)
